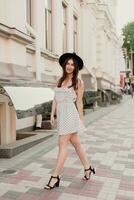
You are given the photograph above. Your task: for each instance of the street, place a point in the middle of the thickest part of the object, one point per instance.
(109, 143)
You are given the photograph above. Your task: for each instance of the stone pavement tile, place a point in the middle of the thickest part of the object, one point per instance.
(109, 189)
(11, 180)
(121, 160)
(65, 196)
(117, 174)
(48, 166)
(126, 193)
(96, 149)
(77, 183)
(49, 160)
(98, 156)
(123, 153)
(71, 191)
(38, 184)
(128, 172)
(84, 188)
(99, 178)
(60, 189)
(126, 185)
(68, 171)
(2, 198)
(91, 191)
(103, 172)
(50, 195)
(32, 166)
(122, 197)
(111, 196)
(67, 178)
(35, 191)
(12, 195)
(106, 196)
(5, 187)
(64, 183)
(53, 153)
(41, 172)
(130, 165)
(27, 196)
(25, 175)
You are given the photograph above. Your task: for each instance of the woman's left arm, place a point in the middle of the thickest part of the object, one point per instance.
(79, 100)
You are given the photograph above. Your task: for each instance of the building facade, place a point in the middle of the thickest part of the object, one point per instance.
(34, 33)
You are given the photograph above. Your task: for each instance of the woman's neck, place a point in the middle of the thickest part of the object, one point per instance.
(69, 77)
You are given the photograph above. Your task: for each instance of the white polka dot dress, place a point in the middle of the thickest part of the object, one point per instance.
(68, 120)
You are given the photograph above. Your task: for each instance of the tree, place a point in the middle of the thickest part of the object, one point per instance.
(128, 41)
(128, 33)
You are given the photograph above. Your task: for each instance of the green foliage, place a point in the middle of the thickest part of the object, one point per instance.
(89, 97)
(43, 109)
(128, 33)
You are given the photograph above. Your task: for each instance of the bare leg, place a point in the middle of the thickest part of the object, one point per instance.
(62, 155)
(75, 140)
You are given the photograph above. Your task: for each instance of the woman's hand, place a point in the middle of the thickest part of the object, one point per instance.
(52, 120)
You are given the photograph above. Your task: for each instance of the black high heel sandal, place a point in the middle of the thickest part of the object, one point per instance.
(91, 170)
(49, 187)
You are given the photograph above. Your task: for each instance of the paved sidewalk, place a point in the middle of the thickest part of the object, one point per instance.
(109, 143)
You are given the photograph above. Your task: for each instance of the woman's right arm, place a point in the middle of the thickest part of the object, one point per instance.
(54, 104)
(53, 110)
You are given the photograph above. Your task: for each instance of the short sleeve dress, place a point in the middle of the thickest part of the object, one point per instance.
(68, 120)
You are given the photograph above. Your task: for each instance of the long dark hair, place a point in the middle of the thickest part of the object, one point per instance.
(75, 74)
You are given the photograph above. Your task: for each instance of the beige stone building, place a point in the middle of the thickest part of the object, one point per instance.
(34, 33)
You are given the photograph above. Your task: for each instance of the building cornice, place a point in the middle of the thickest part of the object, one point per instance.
(27, 83)
(44, 53)
(49, 55)
(105, 9)
(107, 22)
(15, 34)
(92, 4)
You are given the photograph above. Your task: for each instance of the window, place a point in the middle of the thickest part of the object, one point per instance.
(75, 34)
(48, 24)
(64, 9)
(29, 11)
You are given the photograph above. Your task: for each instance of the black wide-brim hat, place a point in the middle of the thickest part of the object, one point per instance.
(64, 56)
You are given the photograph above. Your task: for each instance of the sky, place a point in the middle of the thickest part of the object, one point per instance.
(124, 13)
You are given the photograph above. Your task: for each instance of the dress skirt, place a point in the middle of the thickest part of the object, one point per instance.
(68, 120)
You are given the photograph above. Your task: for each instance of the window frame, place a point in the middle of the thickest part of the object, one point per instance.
(64, 24)
(48, 27)
(75, 32)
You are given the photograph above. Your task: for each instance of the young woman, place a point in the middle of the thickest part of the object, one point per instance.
(68, 105)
